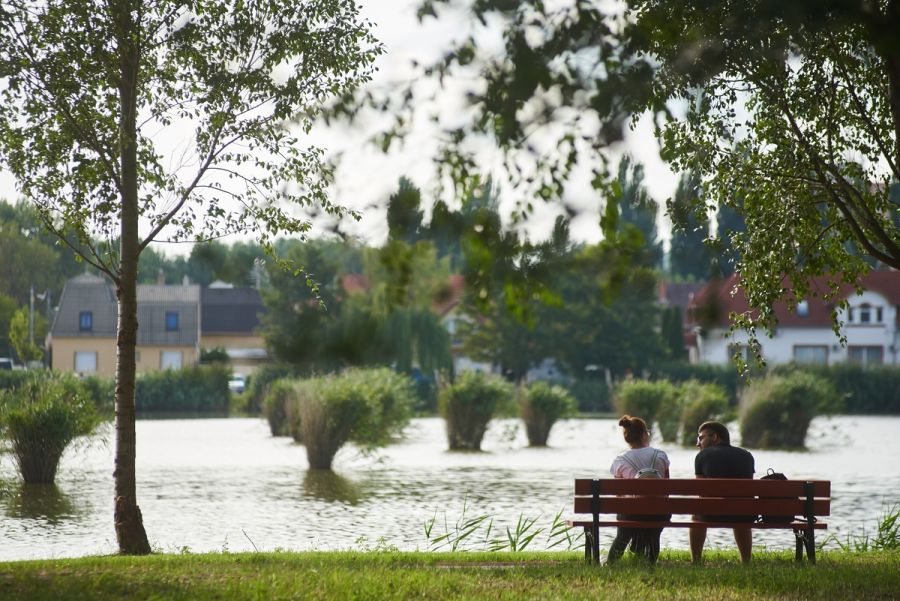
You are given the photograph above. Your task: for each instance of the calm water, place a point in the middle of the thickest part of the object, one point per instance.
(218, 484)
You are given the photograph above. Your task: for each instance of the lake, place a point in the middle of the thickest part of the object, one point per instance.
(227, 485)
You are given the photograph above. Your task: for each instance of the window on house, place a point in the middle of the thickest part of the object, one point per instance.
(742, 350)
(86, 321)
(865, 355)
(816, 354)
(879, 314)
(865, 313)
(803, 308)
(85, 361)
(170, 360)
(171, 321)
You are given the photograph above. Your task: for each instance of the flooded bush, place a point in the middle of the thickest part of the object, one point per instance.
(469, 404)
(41, 418)
(641, 398)
(258, 385)
(277, 405)
(541, 405)
(776, 410)
(668, 413)
(367, 406)
(700, 403)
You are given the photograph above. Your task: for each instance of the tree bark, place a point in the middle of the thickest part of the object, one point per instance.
(130, 532)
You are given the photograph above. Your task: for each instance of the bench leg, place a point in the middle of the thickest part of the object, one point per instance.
(798, 554)
(810, 540)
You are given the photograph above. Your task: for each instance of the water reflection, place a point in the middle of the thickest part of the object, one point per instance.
(43, 502)
(331, 487)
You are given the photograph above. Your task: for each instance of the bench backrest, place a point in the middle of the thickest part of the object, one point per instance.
(704, 496)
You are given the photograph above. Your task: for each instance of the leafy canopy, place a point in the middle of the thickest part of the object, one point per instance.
(223, 90)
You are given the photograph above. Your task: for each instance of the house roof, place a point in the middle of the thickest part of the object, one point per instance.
(719, 298)
(678, 294)
(230, 310)
(86, 293)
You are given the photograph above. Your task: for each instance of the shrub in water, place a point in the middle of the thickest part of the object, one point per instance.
(541, 405)
(469, 404)
(668, 413)
(777, 410)
(701, 403)
(641, 398)
(258, 384)
(366, 407)
(277, 405)
(41, 418)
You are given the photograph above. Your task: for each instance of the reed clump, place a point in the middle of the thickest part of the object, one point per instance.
(41, 418)
(541, 405)
(469, 404)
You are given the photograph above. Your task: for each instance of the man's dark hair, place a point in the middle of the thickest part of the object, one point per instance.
(718, 429)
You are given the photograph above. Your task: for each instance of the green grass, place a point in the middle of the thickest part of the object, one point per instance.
(394, 575)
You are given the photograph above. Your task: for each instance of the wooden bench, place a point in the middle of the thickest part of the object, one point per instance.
(709, 497)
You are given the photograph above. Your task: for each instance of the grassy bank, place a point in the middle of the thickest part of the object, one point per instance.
(389, 575)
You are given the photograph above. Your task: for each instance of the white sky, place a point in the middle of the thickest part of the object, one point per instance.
(367, 177)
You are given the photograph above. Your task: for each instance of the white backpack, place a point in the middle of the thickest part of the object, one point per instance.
(646, 472)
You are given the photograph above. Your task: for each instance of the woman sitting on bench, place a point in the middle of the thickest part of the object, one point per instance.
(640, 461)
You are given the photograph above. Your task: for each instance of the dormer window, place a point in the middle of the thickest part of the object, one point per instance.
(171, 321)
(86, 321)
(803, 308)
(865, 313)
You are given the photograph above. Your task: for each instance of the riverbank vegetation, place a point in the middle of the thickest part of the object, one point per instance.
(389, 574)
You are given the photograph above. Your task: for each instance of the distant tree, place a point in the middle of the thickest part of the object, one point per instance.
(302, 324)
(445, 230)
(689, 258)
(20, 339)
(605, 323)
(672, 333)
(404, 214)
(638, 209)
(730, 230)
(8, 306)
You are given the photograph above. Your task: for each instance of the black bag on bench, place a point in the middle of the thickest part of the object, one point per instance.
(775, 519)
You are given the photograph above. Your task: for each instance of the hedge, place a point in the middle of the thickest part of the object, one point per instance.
(201, 388)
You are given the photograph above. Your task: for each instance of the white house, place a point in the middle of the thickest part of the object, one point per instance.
(871, 324)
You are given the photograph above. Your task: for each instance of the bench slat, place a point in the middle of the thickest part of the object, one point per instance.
(701, 506)
(688, 524)
(711, 487)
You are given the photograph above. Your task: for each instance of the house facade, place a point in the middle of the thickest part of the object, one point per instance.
(871, 324)
(83, 335)
(229, 319)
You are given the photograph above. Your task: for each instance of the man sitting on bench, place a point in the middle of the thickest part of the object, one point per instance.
(718, 459)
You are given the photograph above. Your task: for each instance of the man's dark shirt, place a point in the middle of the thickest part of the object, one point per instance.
(724, 461)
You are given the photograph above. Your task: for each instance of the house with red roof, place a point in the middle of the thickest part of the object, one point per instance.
(871, 324)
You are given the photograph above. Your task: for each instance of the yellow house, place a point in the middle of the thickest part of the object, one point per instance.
(83, 335)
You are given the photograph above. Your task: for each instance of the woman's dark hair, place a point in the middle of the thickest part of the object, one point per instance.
(634, 428)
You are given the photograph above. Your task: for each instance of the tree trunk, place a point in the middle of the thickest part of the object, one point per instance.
(129, 523)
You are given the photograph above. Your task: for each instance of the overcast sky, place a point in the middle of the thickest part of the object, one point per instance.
(367, 177)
